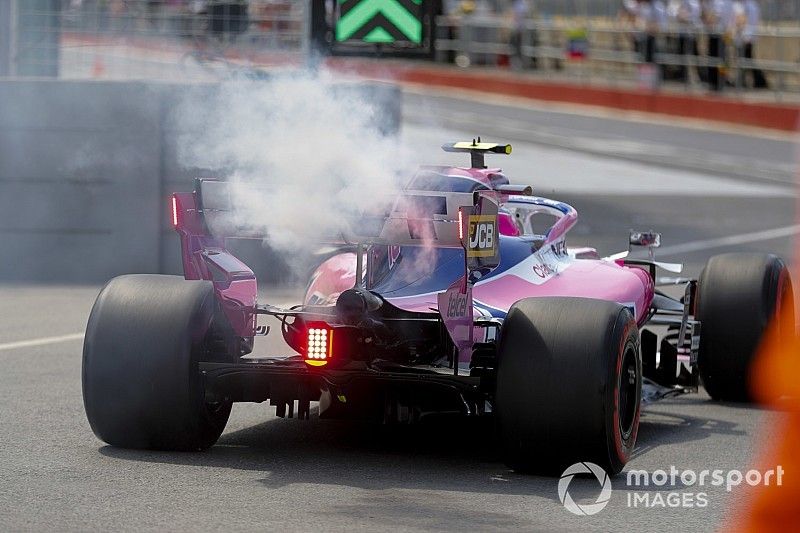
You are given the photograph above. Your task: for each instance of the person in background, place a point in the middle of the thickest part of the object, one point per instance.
(651, 20)
(457, 29)
(718, 17)
(686, 15)
(627, 18)
(520, 11)
(748, 21)
(153, 14)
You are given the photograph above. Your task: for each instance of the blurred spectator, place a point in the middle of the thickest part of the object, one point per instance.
(686, 16)
(650, 18)
(152, 13)
(468, 14)
(452, 8)
(521, 12)
(718, 17)
(627, 14)
(748, 21)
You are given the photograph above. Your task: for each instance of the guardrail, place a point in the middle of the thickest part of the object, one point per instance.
(602, 49)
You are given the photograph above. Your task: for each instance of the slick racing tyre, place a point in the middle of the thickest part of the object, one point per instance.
(569, 382)
(738, 295)
(141, 385)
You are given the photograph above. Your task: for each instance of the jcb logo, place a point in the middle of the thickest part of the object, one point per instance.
(482, 236)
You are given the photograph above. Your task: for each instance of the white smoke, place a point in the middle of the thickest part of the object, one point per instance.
(301, 155)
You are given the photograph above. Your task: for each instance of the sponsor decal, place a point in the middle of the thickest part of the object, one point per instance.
(539, 267)
(455, 306)
(559, 248)
(543, 270)
(547, 262)
(482, 241)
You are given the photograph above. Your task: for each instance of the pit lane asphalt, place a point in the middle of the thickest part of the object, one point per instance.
(730, 151)
(274, 474)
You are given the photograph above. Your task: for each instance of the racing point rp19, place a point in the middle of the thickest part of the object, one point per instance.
(554, 342)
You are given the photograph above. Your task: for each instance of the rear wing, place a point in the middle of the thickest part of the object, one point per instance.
(413, 218)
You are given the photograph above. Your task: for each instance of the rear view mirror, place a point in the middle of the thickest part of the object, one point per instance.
(649, 239)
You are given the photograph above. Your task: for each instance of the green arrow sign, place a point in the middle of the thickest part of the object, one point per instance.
(380, 21)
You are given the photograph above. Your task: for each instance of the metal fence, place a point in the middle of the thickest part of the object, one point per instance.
(582, 40)
(771, 10)
(149, 39)
(612, 52)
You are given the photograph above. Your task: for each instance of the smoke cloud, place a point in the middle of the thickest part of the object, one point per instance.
(303, 156)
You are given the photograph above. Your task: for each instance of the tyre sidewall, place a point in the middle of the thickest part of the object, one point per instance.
(141, 384)
(738, 295)
(557, 395)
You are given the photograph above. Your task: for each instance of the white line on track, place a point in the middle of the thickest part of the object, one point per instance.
(40, 342)
(732, 240)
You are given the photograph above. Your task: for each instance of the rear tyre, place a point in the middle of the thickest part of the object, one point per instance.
(141, 385)
(569, 382)
(738, 295)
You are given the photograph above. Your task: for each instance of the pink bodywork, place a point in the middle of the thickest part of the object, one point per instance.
(581, 274)
(587, 278)
(550, 271)
(205, 257)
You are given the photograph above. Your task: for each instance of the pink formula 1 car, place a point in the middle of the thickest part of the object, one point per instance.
(461, 298)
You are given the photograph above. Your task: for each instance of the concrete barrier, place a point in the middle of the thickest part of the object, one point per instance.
(86, 170)
(78, 191)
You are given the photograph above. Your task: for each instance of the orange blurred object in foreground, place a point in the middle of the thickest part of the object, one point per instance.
(776, 385)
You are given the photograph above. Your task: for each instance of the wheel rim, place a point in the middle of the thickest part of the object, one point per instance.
(628, 391)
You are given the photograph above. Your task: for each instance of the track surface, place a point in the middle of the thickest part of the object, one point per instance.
(275, 474)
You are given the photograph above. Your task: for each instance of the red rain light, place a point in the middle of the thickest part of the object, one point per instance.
(174, 211)
(319, 346)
